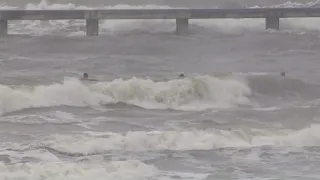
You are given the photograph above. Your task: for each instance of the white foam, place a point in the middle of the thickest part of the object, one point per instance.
(272, 108)
(290, 4)
(76, 27)
(196, 93)
(91, 143)
(184, 175)
(37, 154)
(57, 117)
(120, 170)
(70, 93)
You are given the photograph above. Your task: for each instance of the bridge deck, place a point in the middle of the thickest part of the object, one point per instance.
(158, 13)
(92, 17)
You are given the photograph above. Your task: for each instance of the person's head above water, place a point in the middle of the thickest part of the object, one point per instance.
(283, 74)
(85, 76)
(181, 75)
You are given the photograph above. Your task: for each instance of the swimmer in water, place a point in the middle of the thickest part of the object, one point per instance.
(283, 74)
(85, 77)
(181, 75)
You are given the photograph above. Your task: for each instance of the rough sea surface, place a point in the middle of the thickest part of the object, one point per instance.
(233, 117)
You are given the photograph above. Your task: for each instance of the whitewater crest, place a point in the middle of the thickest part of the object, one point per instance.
(195, 93)
(92, 143)
(81, 171)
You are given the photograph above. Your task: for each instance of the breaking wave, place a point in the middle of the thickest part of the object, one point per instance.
(89, 143)
(189, 94)
(197, 93)
(81, 171)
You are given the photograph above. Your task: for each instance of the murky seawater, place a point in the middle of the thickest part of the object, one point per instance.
(233, 116)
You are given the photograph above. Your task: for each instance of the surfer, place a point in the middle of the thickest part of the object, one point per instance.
(85, 77)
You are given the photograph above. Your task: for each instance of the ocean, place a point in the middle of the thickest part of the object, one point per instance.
(232, 117)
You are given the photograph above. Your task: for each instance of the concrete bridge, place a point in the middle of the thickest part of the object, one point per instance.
(182, 16)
